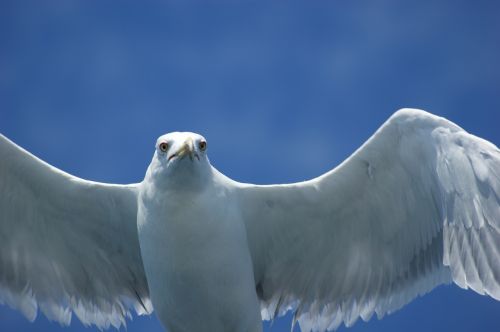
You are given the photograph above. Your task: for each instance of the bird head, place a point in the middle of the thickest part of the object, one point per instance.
(180, 160)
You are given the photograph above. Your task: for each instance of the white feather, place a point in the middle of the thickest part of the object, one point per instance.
(416, 206)
(66, 244)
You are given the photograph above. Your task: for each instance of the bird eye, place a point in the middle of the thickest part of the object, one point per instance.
(163, 147)
(202, 145)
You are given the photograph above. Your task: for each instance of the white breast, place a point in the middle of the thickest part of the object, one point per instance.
(197, 262)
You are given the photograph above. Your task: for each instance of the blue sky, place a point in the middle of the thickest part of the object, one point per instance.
(283, 91)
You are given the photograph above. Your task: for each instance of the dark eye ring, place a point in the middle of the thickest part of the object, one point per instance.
(202, 145)
(163, 146)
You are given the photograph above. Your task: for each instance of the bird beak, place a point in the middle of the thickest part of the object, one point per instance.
(186, 149)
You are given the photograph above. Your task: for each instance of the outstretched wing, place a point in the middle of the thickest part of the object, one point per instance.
(416, 206)
(66, 244)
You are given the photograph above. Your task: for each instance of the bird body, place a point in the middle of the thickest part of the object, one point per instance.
(195, 252)
(416, 206)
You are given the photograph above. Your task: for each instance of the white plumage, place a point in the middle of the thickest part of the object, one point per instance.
(416, 206)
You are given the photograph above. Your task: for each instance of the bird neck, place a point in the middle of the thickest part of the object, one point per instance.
(180, 180)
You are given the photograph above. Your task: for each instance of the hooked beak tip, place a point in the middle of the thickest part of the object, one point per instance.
(187, 148)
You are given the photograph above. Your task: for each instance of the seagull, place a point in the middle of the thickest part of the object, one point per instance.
(416, 206)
